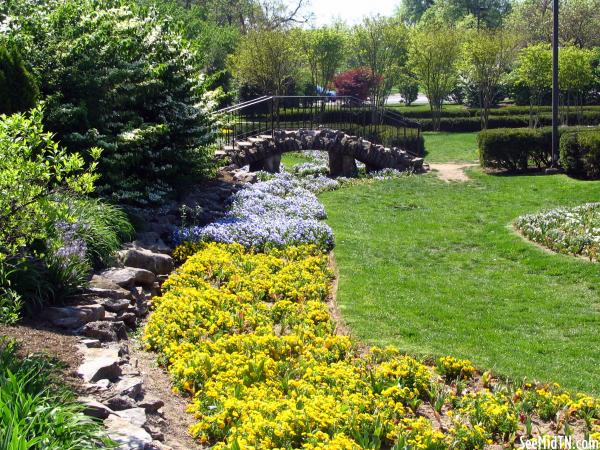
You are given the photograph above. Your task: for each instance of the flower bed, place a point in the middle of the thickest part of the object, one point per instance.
(245, 331)
(574, 231)
(249, 337)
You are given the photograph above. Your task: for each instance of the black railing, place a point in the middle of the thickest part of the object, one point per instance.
(263, 115)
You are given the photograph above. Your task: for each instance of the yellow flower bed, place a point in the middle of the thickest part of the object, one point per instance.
(248, 336)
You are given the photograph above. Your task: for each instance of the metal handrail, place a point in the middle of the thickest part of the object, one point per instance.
(263, 115)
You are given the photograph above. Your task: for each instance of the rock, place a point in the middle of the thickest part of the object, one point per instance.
(100, 363)
(130, 386)
(151, 404)
(103, 287)
(116, 305)
(130, 319)
(110, 317)
(157, 263)
(128, 435)
(91, 343)
(119, 403)
(105, 331)
(94, 408)
(155, 433)
(151, 241)
(128, 277)
(73, 316)
(102, 384)
(136, 416)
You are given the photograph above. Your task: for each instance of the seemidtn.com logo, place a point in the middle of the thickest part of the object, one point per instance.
(558, 443)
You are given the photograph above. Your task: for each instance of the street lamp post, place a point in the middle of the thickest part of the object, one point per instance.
(555, 137)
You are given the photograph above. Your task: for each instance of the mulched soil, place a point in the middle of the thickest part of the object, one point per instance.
(38, 337)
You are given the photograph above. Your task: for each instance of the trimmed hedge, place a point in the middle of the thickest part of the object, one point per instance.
(513, 149)
(580, 153)
(474, 112)
(517, 149)
(469, 124)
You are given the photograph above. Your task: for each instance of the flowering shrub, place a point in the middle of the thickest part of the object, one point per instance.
(574, 231)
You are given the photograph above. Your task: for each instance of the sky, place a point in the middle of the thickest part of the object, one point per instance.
(351, 11)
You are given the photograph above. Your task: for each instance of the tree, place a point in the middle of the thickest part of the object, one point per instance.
(411, 11)
(131, 86)
(488, 56)
(356, 82)
(433, 57)
(18, 89)
(575, 77)
(381, 45)
(482, 13)
(267, 59)
(324, 49)
(408, 86)
(531, 20)
(534, 71)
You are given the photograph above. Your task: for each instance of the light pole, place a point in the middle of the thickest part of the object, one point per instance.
(555, 137)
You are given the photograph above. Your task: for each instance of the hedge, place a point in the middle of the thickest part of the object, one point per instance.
(580, 153)
(474, 112)
(469, 124)
(517, 149)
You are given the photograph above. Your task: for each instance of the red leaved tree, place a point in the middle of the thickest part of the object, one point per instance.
(356, 82)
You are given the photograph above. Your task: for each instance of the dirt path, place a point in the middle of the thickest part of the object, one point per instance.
(452, 172)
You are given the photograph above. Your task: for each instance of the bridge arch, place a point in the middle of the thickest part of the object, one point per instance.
(263, 152)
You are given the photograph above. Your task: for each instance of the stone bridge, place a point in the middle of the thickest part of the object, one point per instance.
(264, 152)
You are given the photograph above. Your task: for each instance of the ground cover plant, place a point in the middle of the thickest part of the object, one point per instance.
(574, 231)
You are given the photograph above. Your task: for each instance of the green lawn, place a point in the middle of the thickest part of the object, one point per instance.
(435, 269)
(443, 147)
(288, 160)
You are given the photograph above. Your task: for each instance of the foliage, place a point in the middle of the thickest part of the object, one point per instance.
(357, 82)
(11, 302)
(18, 88)
(575, 77)
(513, 149)
(267, 60)
(408, 87)
(534, 71)
(33, 171)
(324, 50)
(126, 83)
(580, 153)
(35, 413)
(380, 44)
(433, 57)
(578, 22)
(573, 231)
(488, 56)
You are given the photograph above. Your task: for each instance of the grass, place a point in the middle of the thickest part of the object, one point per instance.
(443, 147)
(435, 269)
(288, 160)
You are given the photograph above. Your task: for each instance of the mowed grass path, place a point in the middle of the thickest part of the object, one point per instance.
(435, 269)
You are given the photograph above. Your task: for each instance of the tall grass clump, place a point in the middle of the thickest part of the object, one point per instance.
(35, 413)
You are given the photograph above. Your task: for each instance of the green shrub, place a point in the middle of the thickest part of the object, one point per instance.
(51, 234)
(508, 149)
(18, 89)
(35, 412)
(580, 153)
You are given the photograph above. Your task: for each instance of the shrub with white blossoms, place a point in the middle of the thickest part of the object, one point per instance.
(574, 231)
(274, 213)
